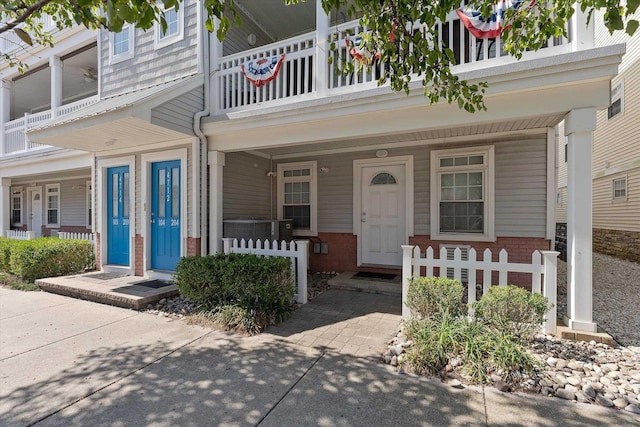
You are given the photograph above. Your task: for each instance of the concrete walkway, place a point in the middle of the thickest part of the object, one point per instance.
(77, 363)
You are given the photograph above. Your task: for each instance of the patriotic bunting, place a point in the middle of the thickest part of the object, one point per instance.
(262, 71)
(491, 27)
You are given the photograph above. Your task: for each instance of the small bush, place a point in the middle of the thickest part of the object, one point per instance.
(13, 282)
(262, 286)
(5, 253)
(230, 318)
(512, 311)
(46, 257)
(429, 296)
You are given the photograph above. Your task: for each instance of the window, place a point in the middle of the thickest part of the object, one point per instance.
(16, 206)
(462, 194)
(89, 200)
(53, 205)
(297, 196)
(617, 100)
(174, 31)
(122, 44)
(619, 188)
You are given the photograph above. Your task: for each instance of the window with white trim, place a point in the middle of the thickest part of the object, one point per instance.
(122, 44)
(53, 205)
(297, 196)
(16, 206)
(617, 100)
(174, 31)
(619, 188)
(462, 202)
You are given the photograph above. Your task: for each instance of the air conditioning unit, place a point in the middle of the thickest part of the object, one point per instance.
(258, 229)
(464, 256)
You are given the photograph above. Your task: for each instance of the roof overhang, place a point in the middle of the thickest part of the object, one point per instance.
(121, 121)
(540, 87)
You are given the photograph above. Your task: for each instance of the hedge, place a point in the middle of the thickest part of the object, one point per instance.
(45, 257)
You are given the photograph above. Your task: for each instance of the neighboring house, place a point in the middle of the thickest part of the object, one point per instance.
(616, 158)
(358, 169)
(46, 189)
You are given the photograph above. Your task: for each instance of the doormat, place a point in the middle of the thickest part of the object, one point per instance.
(371, 275)
(100, 276)
(155, 284)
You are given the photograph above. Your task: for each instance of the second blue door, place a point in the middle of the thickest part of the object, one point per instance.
(165, 215)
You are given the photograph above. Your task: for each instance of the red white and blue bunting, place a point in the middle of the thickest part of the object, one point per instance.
(491, 27)
(262, 71)
(360, 52)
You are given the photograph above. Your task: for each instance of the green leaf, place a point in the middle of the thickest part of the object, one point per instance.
(632, 26)
(632, 6)
(23, 35)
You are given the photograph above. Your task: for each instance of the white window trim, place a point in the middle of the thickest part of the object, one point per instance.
(113, 58)
(22, 211)
(613, 189)
(488, 151)
(89, 201)
(313, 197)
(46, 206)
(619, 83)
(158, 42)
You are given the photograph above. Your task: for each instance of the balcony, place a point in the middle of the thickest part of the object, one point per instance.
(10, 43)
(304, 75)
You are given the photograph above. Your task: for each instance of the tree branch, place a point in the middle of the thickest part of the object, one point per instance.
(28, 11)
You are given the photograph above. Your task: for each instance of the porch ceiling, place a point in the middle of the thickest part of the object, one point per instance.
(504, 129)
(280, 21)
(115, 123)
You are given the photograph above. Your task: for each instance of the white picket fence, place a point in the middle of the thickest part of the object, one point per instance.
(543, 270)
(297, 251)
(20, 234)
(91, 237)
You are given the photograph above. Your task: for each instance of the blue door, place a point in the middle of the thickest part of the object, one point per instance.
(165, 215)
(118, 215)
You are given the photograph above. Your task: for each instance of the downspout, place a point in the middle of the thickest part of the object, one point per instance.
(204, 68)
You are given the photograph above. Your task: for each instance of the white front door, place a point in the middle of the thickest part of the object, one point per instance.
(383, 215)
(35, 223)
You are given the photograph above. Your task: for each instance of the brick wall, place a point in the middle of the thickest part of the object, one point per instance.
(621, 244)
(193, 246)
(343, 253)
(98, 253)
(139, 255)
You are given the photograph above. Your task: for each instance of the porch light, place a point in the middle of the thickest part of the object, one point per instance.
(382, 153)
(252, 39)
(109, 141)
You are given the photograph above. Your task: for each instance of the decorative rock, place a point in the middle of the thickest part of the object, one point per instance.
(574, 381)
(501, 385)
(394, 361)
(609, 367)
(397, 350)
(603, 401)
(570, 388)
(455, 384)
(546, 391)
(620, 403)
(633, 408)
(561, 364)
(582, 398)
(589, 391)
(575, 366)
(565, 394)
(551, 361)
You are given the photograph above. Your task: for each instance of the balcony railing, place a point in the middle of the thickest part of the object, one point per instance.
(10, 42)
(297, 78)
(15, 140)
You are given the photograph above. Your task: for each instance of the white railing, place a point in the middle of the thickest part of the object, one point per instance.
(297, 251)
(90, 237)
(10, 42)
(543, 270)
(15, 131)
(295, 77)
(20, 234)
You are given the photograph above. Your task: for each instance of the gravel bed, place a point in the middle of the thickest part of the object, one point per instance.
(616, 297)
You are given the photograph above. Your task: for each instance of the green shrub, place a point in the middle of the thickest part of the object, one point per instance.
(263, 286)
(48, 257)
(512, 311)
(429, 296)
(5, 252)
(228, 317)
(14, 282)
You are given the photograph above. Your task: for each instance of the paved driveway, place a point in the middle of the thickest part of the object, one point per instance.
(76, 363)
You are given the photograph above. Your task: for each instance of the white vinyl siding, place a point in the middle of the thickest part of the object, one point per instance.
(247, 188)
(178, 113)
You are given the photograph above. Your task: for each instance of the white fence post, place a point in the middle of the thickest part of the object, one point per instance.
(407, 255)
(226, 244)
(550, 289)
(302, 250)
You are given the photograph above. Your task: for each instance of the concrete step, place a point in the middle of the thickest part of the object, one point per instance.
(347, 281)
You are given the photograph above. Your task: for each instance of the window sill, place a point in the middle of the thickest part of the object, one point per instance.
(463, 237)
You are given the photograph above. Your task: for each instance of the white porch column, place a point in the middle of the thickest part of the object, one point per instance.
(55, 63)
(321, 64)
(5, 112)
(582, 35)
(579, 125)
(216, 168)
(5, 205)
